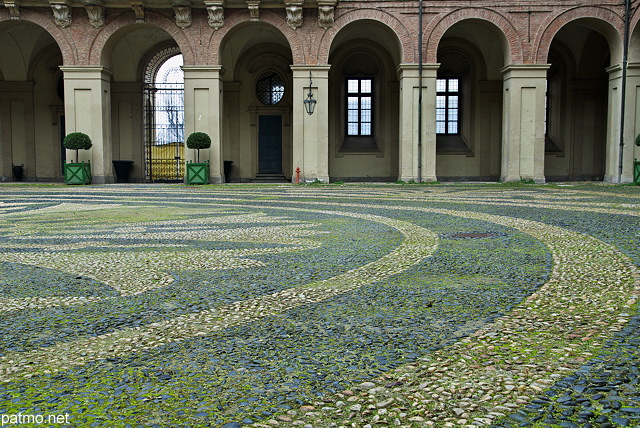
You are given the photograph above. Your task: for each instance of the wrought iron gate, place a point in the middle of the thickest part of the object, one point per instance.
(164, 131)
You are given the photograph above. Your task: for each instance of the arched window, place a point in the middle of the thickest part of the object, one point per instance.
(169, 86)
(164, 116)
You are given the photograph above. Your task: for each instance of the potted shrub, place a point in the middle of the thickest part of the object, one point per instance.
(78, 172)
(198, 173)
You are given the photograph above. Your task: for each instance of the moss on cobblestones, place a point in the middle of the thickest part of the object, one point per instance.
(474, 318)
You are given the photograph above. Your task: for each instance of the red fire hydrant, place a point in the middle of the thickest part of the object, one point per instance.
(297, 175)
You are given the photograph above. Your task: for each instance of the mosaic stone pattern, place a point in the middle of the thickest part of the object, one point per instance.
(320, 305)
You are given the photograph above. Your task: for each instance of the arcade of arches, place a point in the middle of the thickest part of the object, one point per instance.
(506, 92)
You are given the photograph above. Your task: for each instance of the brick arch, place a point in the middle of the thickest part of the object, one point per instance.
(403, 34)
(550, 27)
(514, 54)
(236, 19)
(124, 23)
(62, 37)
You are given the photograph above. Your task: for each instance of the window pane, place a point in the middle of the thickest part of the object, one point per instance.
(441, 101)
(441, 85)
(439, 127)
(359, 107)
(453, 127)
(453, 102)
(453, 85)
(441, 114)
(453, 115)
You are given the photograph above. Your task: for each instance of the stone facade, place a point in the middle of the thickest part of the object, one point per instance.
(540, 93)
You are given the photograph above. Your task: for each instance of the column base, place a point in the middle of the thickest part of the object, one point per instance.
(103, 179)
(537, 180)
(614, 179)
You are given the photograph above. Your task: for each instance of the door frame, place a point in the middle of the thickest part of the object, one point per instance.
(287, 149)
(280, 171)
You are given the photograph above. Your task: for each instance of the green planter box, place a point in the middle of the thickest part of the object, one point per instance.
(197, 173)
(636, 171)
(77, 173)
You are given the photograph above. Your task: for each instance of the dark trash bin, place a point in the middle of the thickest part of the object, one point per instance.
(227, 171)
(18, 172)
(123, 169)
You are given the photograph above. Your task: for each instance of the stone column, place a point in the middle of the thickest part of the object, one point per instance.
(203, 113)
(631, 121)
(311, 132)
(87, 95)
(409, 93)
(523, 125)
(614, 116)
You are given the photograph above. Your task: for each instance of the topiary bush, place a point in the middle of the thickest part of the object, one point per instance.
(198, 140)
(77, 141)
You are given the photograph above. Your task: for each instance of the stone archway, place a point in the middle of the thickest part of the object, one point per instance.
(30, 83)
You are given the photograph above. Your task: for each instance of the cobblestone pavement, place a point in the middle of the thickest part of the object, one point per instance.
(464, 305)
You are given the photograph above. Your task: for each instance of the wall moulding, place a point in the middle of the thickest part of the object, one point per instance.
(215, 10)
(61, 13)
(138, 11)
(294, 13)
(13, 7)
(95, 11)
(182, 9)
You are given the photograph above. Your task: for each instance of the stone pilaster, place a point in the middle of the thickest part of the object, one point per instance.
(87, 95)
(614, 115)
(409, 94)
(311, 132)
(523, 122)
(203, 113)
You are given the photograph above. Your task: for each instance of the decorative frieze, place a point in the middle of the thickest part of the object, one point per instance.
(61, 12)
(182, 9)
(138, 10)
(95, 10)
(254, 9)
(216, 13)
(325, 13)
(14, 8)
(294, 13)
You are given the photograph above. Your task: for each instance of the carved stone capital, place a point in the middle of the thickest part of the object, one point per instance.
(294, 13)
(254, 9)
(216, 13)
(14, 8)
(95, 10)
(138, 10)
(325, 16)
(182, 9)
(61, 12)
